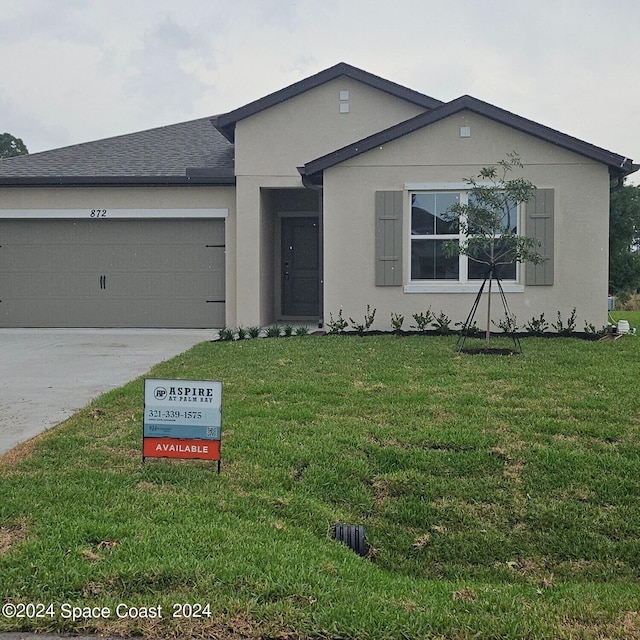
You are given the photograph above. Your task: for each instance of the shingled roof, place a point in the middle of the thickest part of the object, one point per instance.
(191, 152)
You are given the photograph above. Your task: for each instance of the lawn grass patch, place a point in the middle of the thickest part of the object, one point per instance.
(499, 495)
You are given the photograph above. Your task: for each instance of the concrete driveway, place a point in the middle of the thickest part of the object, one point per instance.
(48, 374)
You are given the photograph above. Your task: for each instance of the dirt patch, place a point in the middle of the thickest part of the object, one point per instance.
(489, 351)
(20, 452)
(625, 627)
(10, 535)
(237, 626)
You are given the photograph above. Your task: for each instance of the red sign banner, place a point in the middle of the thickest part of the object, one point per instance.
(181, 448)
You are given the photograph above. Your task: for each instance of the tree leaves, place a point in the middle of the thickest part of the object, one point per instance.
(488, 221)
(10, 146)
(624, 238)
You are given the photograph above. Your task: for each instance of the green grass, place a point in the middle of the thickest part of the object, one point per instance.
(500, 495)
(632, 316)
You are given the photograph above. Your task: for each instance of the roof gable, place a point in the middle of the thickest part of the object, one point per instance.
(226, 123)
(618, 165)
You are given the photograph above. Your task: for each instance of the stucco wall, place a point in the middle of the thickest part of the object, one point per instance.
(118, 198)
(437, 154)
(276, 141)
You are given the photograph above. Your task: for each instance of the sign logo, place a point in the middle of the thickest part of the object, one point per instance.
(160, 393)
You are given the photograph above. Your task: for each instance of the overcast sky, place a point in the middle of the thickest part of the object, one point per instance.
(79, 70)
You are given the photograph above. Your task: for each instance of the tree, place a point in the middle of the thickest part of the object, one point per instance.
(11, 146)
(488, 228)
(624, 239)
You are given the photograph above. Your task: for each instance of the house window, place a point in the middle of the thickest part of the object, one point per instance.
(430, 231)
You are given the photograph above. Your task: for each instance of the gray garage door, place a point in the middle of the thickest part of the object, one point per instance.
(112, 273)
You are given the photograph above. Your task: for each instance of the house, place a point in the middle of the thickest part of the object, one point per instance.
(322, 196)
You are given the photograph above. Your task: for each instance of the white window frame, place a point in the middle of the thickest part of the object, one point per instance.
(463, 284)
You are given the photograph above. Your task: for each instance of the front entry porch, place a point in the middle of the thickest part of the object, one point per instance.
(295, 240)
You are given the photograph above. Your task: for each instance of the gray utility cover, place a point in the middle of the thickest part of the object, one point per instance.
(163, 273)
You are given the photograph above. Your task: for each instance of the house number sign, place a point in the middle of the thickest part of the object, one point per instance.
(182, 419)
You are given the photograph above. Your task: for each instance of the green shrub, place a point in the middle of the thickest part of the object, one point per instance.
(442, 323)
(397, 320)
(423, 320)
(338, 325)
(537, 326)
(254, 332)
(225, 334)
(369, 317)
(568, 328)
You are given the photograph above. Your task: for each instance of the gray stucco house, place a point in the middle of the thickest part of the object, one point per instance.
(293, 207)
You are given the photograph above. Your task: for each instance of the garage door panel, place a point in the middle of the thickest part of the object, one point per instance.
(164, 257)
(38, 285)
(115, 273)
(165, 287)
(59, 258)
(89, 314)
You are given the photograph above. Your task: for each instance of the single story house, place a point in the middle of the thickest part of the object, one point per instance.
(323, 196)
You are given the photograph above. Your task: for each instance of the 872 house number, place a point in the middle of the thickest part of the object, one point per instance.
(98, 213)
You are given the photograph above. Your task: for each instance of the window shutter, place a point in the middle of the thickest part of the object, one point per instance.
(389, 238)
(540, 226)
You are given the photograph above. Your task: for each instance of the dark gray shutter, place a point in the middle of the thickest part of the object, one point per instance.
(540, 226)
(389, 238)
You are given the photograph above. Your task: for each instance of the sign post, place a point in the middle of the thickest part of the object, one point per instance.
(182, 419)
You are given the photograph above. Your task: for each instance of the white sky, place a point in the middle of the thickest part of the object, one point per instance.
(79, 70)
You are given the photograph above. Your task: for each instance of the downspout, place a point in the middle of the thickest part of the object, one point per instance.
(318, 188)
(621, 176)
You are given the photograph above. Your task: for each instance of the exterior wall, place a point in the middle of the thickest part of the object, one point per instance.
(437, 154)
(255, 250)
(138, 198)
(118, 198)
(269, 147)
(276, 141)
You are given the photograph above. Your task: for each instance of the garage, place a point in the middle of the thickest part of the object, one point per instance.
(102, 271)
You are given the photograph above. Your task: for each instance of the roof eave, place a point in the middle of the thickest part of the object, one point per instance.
(627, 168)
(189, 180)
(618, 165)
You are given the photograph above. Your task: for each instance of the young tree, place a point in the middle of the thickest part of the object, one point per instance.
(488, 227)
(11, 146)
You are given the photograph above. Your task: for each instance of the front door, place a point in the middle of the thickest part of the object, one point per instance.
(300, 267)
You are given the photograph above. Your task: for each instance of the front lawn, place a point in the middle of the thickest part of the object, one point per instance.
(500, 495)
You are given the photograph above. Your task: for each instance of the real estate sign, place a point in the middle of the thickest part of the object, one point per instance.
(182, 419)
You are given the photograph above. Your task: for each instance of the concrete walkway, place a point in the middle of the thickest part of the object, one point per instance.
(48, 374)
